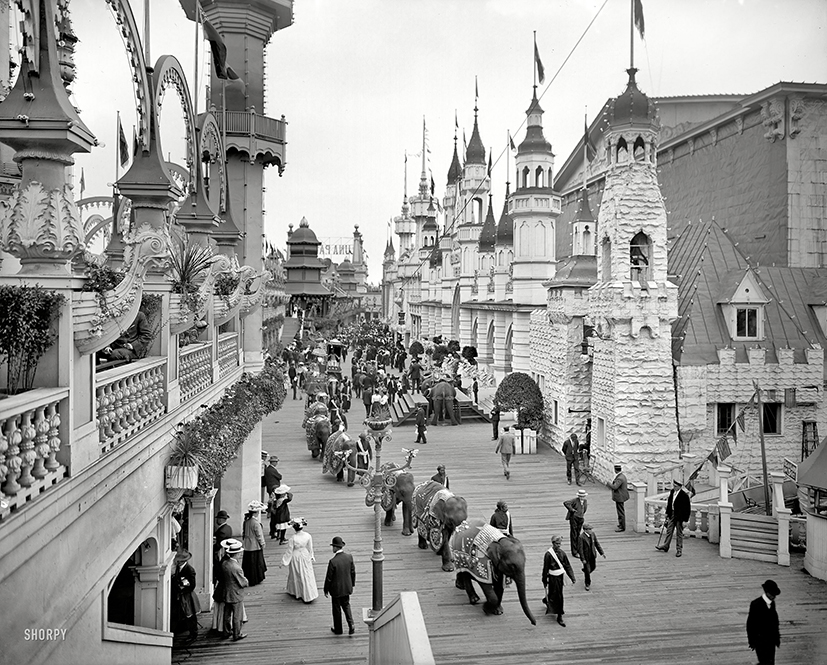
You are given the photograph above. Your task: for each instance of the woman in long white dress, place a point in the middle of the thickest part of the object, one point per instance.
(299, 558)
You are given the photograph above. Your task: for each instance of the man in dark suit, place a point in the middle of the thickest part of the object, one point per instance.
(620, 495)
(762, 624)
(576, 516)
(421, 425)
(571, 449)
(678, 508)
(272, 479)
(338, 585)
(222, 532)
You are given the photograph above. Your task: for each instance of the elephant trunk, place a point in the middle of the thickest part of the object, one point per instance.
(519, 580)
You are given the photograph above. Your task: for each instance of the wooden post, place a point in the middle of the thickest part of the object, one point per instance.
(725, 512)
(782, 514)
(767, 506)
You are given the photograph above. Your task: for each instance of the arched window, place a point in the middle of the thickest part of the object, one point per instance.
(606, 261)
(526, 172)
(640, 258)
(622, 151)
(549, 181)
(588, 250)
(539, 177)
(639, 150)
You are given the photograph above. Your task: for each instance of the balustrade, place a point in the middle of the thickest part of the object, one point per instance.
(194, 369)
(128, 398)
(655, 516)
(227, 353)
(30, 439)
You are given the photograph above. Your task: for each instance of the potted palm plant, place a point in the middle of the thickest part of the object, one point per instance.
(189, 268)
(186, 458)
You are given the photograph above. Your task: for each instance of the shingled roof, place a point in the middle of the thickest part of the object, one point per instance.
(708, 266)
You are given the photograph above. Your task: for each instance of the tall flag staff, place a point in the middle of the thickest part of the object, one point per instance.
(589, 151)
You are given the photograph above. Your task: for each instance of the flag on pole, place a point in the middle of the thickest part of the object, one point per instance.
(456, 122)
(433, 186)
(541, 71)
(476, 90)
(82, 182)
(511, 142)
(217, 45)
(135, 146)
(638, 11)
(123, 146)
(591, 151)
(490, 162)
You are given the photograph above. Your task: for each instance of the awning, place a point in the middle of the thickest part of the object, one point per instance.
(812, 472)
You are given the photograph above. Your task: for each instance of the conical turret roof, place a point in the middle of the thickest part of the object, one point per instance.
(632, 107)
(488, 233)
(475, 153)
(505, 227)
(455, 170)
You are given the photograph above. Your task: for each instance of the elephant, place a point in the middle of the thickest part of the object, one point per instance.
(443, 394)
(342, 451)
(481, 552)
(315, 408)
(317, 431)
(402, 493)
(436, 512)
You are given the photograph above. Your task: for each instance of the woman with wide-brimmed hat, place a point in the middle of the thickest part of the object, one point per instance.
(253, 539)
(280, 511)
(299, 558)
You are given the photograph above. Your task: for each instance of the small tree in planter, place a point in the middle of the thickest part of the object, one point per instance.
(26, 331)
(519, 391)
(470, 354)
(185, 460)
(416, 349)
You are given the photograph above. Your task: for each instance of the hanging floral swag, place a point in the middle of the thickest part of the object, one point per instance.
(218, 431)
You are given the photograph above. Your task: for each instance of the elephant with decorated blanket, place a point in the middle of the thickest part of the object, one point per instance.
(435, 513)
(481, 552)
(344, 453)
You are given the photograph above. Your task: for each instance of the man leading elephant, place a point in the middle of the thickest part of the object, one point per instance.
(555, 564)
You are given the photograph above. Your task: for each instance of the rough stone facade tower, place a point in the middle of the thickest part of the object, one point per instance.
(632, 305)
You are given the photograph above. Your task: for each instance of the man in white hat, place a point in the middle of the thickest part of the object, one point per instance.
(576, 516)
(230, 588)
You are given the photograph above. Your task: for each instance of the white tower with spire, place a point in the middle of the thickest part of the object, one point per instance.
(632, 305)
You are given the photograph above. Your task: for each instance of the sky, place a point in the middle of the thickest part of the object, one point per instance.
(355, 79)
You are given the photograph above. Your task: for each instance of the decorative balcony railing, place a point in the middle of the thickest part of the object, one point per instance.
(30, 439)
(128, 398)
(227, 353)
(246, 123)
(194, 369)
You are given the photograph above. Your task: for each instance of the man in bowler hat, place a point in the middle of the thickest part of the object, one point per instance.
(620, 495)
(763, 633)
(338, 585)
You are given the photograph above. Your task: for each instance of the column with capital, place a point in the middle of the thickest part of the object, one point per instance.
(200, 544)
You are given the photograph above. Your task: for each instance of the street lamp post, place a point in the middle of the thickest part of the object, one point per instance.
(378, 557)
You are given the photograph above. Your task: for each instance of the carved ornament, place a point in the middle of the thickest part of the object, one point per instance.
(41, 228)
(772, 117)
(250, 302)
(95, 327)
(798, 110)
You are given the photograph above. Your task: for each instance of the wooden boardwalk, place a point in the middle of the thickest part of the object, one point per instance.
(644, 606)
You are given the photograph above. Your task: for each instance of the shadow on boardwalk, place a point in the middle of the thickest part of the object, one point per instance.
(643, 607)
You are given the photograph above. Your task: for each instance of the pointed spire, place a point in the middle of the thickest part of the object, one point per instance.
(455, 170)
(505, 227)
(475, 152)
(488, 233)
(423, 179)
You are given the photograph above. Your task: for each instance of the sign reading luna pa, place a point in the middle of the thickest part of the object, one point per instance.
(337, 249)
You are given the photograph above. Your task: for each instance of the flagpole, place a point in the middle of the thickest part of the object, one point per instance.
(117, 147)
(507, 155)
(585, 147)
(632, 35)
(534, 65)
(767, 506)
(195, 79)
(146, 33)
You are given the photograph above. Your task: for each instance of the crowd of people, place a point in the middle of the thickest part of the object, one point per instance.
(380, 365)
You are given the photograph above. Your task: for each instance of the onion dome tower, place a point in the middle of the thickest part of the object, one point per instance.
(632, 305)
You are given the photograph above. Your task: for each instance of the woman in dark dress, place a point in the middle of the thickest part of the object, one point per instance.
(252, 562)
(280, 510)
